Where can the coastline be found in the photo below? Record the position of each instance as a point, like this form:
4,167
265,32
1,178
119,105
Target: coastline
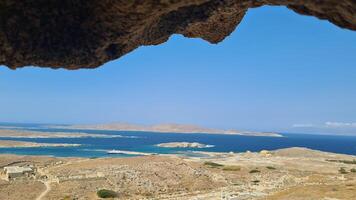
248,175
5,133
22,144
168,128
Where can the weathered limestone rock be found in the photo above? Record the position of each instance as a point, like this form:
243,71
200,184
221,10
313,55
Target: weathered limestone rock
77,34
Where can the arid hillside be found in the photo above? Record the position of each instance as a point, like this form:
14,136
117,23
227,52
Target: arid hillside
294,173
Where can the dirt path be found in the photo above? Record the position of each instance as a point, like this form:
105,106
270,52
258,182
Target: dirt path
47,183
48,188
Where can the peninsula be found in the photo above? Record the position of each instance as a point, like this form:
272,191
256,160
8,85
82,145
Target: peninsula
16,144
4,133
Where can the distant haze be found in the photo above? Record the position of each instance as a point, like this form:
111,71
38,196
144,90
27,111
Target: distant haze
278,71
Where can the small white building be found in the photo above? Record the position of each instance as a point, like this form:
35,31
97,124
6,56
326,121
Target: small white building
16,171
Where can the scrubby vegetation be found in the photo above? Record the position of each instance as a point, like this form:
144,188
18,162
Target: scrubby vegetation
223,167
351,162
255,171
342,170
231,168
69,198
213,164
353,170
270,167
106,193
255,182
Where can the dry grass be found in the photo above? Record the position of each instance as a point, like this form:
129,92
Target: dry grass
316,192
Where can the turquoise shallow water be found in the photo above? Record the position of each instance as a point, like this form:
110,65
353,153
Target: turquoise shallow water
145,142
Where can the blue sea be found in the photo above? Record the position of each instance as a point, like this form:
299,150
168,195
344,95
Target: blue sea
145,142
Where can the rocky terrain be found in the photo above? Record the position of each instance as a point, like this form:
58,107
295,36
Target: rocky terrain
184,145
167,128
77,34
293,174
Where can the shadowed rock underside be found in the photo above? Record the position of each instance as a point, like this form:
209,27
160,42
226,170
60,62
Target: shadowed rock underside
77,34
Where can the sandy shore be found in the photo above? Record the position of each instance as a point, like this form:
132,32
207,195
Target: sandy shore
293,174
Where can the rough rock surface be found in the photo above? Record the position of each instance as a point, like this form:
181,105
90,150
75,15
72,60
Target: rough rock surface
76,34
184,145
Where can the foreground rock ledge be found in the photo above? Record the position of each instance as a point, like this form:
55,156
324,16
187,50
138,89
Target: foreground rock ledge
77,34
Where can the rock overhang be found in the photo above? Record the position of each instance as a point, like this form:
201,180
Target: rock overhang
76,34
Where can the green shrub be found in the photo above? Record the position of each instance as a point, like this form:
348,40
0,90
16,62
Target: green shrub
255,182
351,162
106,193
255,171
212,164
231,168
353,170
270,167
342,170
70,198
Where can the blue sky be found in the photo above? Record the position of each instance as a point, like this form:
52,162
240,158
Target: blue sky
278,71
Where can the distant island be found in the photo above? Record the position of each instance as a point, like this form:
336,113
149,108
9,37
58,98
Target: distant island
167,128
184,145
